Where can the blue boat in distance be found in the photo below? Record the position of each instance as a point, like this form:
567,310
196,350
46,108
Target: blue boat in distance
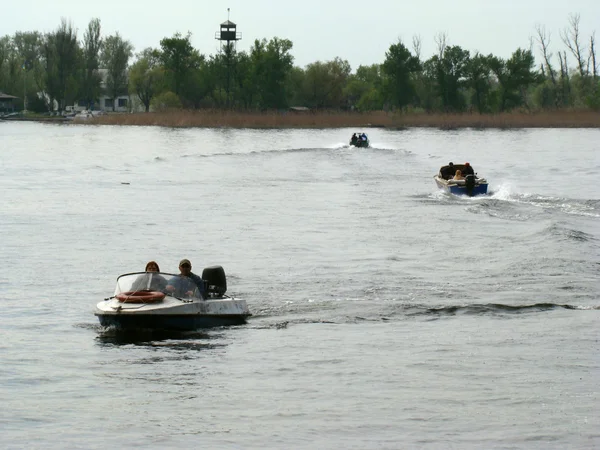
360,140
469,185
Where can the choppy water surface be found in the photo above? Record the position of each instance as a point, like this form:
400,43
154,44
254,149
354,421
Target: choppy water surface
386,314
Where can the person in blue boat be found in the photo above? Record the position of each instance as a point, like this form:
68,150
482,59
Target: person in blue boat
186,283
151,280
448,171
468,170
458,176
363,137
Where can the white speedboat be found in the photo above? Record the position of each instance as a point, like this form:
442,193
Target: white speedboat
162,301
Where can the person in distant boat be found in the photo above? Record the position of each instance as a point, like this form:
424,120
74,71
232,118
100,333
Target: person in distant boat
458,175
186,283
448,171
353,139
468,170
151,280
363,137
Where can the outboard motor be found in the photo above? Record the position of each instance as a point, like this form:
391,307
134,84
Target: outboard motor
214,276
470,182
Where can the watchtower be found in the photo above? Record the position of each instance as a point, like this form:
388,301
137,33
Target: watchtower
228,35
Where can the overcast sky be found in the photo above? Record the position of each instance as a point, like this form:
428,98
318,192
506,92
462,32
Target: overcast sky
358,31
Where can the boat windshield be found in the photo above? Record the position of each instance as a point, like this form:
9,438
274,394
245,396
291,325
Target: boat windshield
175,285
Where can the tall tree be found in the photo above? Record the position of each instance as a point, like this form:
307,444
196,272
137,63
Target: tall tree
451,76
115,57
229,59
364,88
543,39
398,67
572,39
245,90
62,59
29,47
29,50
272,63
521,69
325,82
7,51
91,79
592,56
179,57
146,77
477,73
514,77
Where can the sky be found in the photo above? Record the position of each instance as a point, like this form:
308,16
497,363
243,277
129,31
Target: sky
358,31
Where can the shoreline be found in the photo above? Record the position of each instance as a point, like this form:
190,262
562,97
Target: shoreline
323,120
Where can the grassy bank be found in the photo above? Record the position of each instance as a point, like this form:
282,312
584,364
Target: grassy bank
234,119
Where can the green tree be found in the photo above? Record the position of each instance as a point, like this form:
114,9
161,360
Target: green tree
165,101
295,83
521,67
91,79
8,59
219,79
62,57
478,72
325,83
399,67
272,63
5,44
198,85
28,46
426,86
245,89
146,77
451,77
226,61
514,77
115,57
179,57
364,88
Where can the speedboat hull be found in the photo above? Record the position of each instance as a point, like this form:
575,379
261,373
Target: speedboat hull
480,188
171,323
360,144
172,314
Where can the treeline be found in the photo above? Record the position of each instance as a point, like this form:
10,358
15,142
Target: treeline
65,71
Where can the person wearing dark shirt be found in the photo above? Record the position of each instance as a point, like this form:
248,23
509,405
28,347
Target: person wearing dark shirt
448,171
468,170
186,283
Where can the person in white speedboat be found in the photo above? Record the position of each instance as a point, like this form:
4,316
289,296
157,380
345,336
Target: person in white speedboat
186,283
151,280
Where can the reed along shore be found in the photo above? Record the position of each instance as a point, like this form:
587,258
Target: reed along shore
236,119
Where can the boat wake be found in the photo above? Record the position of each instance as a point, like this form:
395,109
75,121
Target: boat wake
495,309
565,233
505,204
285,316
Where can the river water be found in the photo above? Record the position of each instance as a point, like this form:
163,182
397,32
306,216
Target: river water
387,314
